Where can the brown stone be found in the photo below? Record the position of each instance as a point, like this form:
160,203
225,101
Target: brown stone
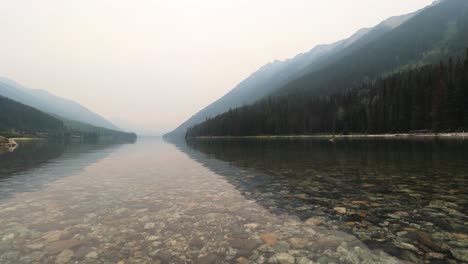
361,214
269,238
425,239
410,229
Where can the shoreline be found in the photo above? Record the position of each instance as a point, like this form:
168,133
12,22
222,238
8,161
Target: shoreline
25,139
331,137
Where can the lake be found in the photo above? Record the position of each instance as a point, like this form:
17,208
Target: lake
236,201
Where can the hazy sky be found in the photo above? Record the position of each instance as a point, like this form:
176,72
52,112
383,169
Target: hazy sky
154,63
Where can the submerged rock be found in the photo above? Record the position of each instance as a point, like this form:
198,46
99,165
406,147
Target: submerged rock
281,258
339,209
460,254
269,238
64,257
59,246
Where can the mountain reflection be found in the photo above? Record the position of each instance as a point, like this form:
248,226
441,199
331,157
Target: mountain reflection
375,189
34,164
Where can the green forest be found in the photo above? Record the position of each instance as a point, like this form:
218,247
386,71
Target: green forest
433,97
20,120
20,117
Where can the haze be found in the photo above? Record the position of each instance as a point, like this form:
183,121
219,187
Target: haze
148,65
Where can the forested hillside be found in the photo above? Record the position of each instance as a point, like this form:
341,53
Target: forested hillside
431,34
271,77
434,34
432,97
20,117
51,104
17,119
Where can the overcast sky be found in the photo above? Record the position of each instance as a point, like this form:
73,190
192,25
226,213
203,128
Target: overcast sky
154,63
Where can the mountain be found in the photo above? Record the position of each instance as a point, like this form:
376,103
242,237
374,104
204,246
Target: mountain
90,132
422,37
426,98
19,117
432,34
54,105
276,74
17,120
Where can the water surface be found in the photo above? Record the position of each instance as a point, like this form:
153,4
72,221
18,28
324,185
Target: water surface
238,202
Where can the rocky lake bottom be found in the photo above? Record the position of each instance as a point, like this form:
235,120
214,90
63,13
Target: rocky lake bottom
267,201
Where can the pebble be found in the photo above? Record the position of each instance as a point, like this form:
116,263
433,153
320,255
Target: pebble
407,246
314,221
149,226
64,257
92,255
341,210
269,238
297,243
281,258
460,254
59,246
242,260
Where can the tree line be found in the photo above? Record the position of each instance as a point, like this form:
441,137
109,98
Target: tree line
20,120
433,97
20,117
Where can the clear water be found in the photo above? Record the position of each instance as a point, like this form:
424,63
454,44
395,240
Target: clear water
235,201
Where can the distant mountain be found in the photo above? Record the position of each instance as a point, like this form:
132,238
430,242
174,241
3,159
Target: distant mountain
49,103
17,119
98,133
277,74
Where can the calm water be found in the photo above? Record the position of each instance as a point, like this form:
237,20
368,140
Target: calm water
236,201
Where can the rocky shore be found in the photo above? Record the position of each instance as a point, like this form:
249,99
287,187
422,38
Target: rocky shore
7,144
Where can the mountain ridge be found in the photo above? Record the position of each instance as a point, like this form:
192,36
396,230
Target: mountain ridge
52,104
272,76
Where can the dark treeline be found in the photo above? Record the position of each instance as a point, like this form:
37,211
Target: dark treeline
20,120
432,97
20,117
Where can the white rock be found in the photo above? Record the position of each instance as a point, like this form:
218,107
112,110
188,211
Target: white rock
92,255
150,225
282,258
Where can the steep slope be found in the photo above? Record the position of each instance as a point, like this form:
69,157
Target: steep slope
432,97
20,117
275,75
432,34
52,104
